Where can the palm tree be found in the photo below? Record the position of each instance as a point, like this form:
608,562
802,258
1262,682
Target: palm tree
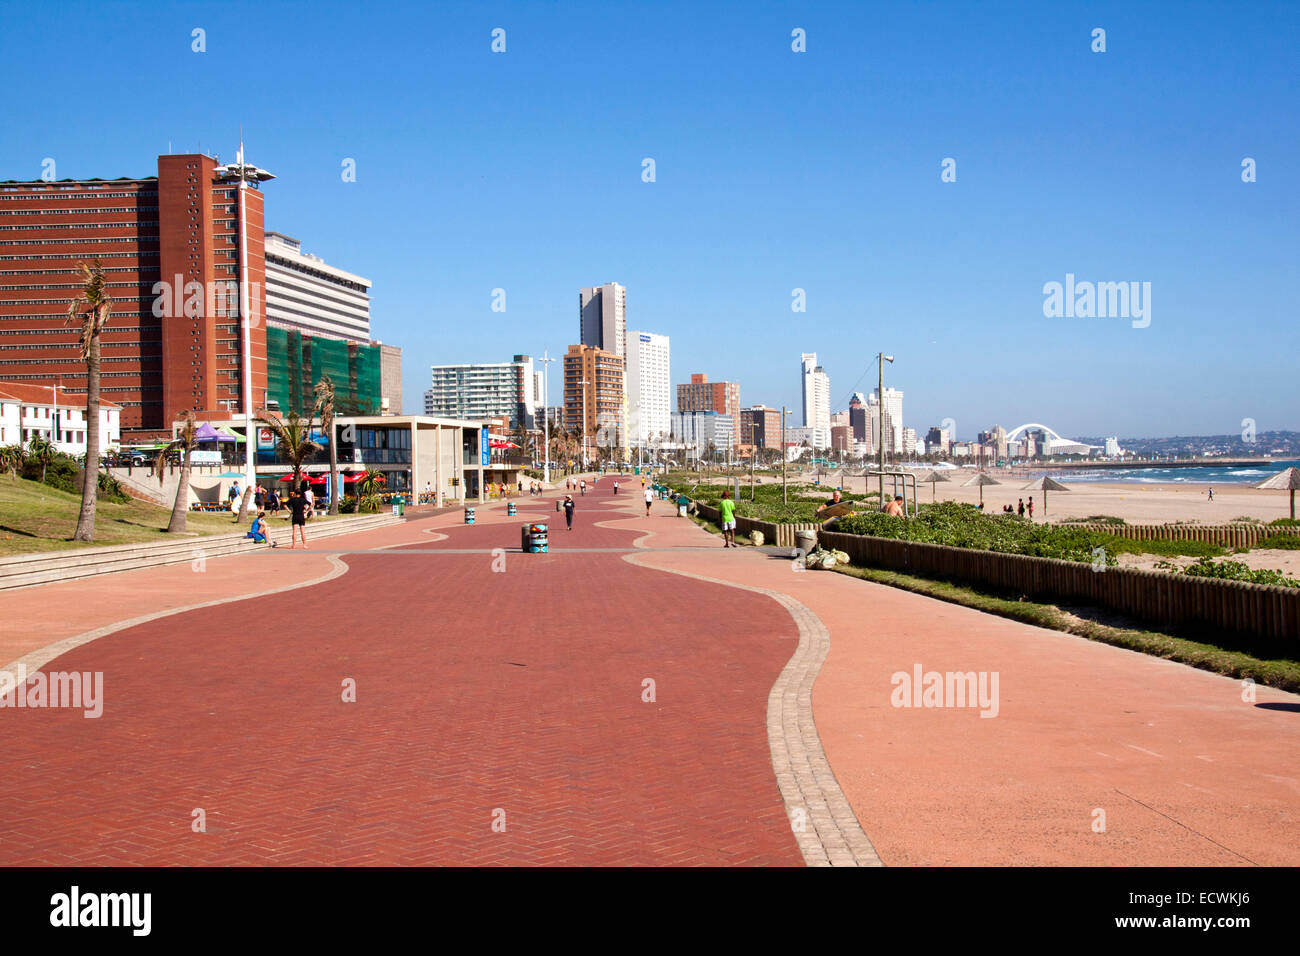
325,408
292,439
41,451
184,443
91,310
368,489
11,459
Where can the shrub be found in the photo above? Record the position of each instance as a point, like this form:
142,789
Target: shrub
1239,571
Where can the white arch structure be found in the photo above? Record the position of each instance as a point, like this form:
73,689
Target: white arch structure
1055,443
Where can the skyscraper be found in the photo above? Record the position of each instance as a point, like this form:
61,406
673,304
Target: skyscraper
649,388
888,421
593,397
816,399
602,317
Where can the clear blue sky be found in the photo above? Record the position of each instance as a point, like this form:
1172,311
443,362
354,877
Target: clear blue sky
775,170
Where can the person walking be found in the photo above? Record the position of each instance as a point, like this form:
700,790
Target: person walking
583,484
298,516
568,511
1020,509
728,508
273,501
259,497
308,494
1031,507
649,498
1211,494
616,487
234,494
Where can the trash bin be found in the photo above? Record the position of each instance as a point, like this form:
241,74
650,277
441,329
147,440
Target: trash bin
469,515
534,539
511,510
805,541
559,504
399,506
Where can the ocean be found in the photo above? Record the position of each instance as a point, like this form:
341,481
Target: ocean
1158,474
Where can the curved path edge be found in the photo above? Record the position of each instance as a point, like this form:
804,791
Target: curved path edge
830,834
35,660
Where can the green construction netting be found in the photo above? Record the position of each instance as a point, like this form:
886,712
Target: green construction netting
297,362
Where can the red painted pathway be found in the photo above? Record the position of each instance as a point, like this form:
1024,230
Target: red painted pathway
478,692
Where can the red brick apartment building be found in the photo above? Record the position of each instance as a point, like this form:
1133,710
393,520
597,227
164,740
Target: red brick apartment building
162,352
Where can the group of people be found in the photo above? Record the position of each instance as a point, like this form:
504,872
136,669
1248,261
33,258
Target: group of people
299,503
1020,508
534,489
576,484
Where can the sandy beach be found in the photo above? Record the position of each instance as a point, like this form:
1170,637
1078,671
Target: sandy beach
1136,503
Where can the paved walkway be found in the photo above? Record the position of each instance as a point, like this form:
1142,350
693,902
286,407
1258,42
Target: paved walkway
502,715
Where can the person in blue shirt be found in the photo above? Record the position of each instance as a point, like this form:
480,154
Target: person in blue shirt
258,530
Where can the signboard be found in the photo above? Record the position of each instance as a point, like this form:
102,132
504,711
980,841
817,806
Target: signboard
205,458
265,438
483,445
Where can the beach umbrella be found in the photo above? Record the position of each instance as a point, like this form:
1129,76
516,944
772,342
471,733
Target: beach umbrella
932,477
1288,480
1045,484
980,479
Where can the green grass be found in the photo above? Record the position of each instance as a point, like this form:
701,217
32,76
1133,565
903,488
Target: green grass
964,526
1245,660
1285,542
768,503
36,517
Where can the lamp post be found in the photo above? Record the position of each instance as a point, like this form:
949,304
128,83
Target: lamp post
546,400
880,394
244,172
583,385
785,495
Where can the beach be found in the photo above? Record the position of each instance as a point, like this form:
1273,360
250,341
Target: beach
1134,502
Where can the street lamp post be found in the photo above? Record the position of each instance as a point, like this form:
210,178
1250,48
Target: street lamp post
880,394
785,496
583,385
546,400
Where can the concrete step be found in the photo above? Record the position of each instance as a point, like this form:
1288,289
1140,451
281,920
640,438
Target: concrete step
26,570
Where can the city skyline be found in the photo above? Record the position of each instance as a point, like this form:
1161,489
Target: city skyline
830,195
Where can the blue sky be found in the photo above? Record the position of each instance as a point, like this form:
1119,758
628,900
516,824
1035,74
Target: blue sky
775,170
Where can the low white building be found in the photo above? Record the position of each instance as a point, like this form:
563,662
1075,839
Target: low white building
699,430
44,411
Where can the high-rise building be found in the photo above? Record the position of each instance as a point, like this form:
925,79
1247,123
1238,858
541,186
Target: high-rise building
303,292
649,388
858,417
701,395
390,379
169,246
602,316
760,426
938,441
481,391
593,397
816,399
891,423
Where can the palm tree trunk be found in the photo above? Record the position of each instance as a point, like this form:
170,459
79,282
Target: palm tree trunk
334,470
180,508
90,474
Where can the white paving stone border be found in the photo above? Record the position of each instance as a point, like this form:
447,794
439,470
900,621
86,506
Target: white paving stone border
831,834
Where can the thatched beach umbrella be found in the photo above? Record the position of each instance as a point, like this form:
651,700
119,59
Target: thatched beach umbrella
1288,480
1045,484
932,477
980,479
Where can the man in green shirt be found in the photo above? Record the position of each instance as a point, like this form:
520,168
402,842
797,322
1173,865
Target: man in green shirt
728,509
